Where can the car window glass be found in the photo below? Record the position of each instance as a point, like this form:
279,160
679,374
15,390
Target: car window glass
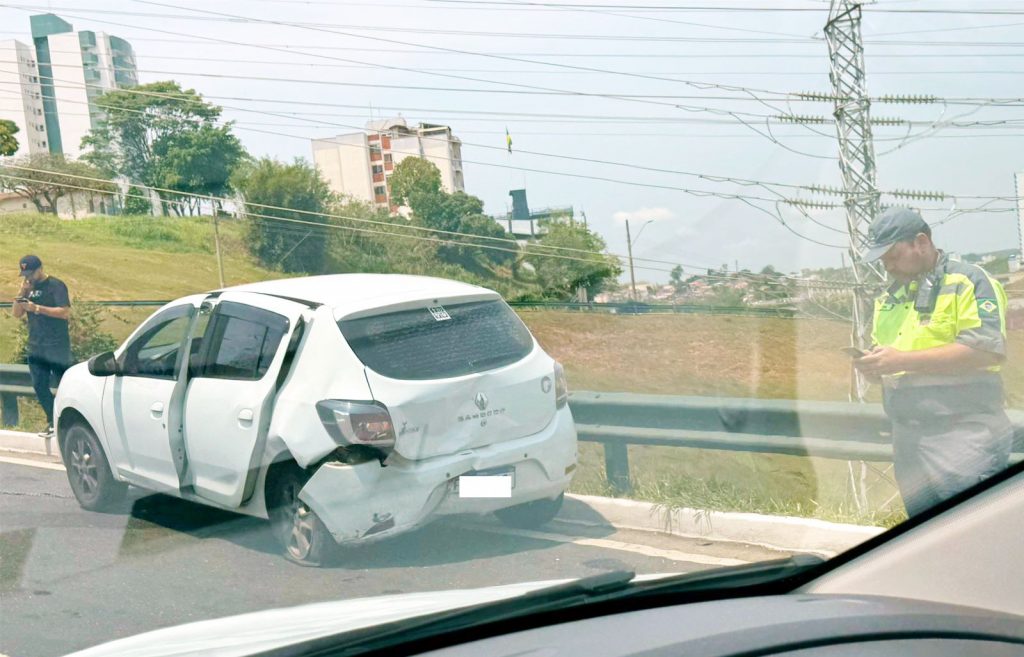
155,353
243,348
432,343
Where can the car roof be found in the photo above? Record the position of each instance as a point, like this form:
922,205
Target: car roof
356,291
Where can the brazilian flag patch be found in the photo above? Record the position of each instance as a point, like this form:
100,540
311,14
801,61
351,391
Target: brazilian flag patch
987,305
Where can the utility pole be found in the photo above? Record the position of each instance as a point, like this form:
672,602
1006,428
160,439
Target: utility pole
629,246
216,247
852,111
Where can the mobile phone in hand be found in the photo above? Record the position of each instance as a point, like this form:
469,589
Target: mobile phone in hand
21,299
854,352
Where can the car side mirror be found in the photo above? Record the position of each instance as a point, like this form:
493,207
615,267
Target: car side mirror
104,364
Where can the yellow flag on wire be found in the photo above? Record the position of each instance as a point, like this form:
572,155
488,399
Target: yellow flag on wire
508,140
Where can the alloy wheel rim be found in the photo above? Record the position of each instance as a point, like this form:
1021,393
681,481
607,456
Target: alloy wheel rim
300,531
83,464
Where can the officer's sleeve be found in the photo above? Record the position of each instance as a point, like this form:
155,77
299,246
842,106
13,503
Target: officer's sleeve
61,299
981,315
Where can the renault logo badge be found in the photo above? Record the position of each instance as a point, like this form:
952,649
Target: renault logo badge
481,401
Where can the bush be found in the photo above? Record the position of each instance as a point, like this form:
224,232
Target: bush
87,338
137,203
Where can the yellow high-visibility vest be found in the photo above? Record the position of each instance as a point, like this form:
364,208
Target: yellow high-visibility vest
970,309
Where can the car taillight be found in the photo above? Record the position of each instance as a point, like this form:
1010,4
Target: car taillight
357,423
561,386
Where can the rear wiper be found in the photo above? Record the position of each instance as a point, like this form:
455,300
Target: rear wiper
497,358
610,586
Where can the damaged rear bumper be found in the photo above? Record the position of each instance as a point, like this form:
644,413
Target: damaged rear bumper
370,500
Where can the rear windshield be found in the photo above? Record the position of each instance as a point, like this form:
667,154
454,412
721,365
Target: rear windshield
439,342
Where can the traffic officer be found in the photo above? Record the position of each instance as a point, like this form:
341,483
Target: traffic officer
940,337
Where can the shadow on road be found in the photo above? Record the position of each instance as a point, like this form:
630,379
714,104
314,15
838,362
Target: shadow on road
159,522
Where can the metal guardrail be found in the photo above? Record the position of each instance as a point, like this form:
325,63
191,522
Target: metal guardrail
142,303
613,308
836,430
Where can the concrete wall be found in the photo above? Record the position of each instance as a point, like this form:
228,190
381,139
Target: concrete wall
344,163
20,96
77,206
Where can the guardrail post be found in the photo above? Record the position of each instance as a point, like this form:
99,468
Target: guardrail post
8,409
616,466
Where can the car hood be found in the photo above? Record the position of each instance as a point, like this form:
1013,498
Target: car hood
274,628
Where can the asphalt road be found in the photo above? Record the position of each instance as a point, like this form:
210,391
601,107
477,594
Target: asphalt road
70,579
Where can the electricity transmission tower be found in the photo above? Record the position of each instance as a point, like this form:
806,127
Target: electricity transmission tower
856,156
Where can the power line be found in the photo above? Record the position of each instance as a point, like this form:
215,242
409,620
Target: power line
370,221
560,133
270,62
796,279
285,47
766,185
702,176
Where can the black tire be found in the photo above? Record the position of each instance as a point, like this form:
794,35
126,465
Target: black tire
302,536
88,471
532,514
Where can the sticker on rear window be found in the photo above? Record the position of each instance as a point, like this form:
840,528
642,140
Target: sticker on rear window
439,313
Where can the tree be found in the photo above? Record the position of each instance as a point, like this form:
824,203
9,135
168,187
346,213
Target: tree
198,161
676,276
299,243
44,179
8,144
416,183
561,272
162,136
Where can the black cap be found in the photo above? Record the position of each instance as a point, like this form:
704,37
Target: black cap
893,225
29,264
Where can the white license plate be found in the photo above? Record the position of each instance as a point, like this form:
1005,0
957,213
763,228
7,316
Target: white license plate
481,485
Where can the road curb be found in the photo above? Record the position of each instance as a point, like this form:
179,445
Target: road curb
783,533
775,532
20,441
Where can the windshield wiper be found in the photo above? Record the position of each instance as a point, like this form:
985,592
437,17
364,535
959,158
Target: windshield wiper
604,587
490,360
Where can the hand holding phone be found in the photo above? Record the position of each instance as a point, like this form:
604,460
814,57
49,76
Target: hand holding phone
854,352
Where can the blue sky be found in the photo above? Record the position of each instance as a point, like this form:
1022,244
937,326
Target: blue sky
312,70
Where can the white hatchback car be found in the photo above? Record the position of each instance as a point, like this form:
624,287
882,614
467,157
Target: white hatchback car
340,407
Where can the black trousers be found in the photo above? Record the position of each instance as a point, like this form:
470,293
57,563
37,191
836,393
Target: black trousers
43,368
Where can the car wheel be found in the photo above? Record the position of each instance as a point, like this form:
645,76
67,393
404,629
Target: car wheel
532,514
303,537
88,471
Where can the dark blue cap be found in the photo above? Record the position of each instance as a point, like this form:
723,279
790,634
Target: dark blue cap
893,225
29,264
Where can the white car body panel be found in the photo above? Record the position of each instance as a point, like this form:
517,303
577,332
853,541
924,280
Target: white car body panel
261,631
438,417
265,630
355,501
226,421
324,368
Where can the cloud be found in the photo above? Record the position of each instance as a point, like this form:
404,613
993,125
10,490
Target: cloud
643,214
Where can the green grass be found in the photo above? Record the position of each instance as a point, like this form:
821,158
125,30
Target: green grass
772,484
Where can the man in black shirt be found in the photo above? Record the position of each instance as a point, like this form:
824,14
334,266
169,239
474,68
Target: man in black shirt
44,301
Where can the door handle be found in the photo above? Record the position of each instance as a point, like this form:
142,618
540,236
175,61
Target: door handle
245,416
157,409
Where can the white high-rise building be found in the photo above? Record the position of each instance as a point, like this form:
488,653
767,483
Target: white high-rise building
359,164
74,69
21,99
